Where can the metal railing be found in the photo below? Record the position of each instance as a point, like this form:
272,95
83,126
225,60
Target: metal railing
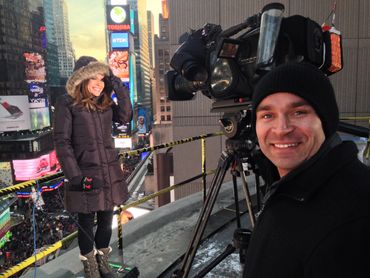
62,243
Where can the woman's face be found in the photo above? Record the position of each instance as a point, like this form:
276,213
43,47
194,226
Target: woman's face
96,85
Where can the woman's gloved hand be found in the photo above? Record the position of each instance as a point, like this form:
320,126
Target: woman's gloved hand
85,183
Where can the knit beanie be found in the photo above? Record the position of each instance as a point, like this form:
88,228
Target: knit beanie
305,81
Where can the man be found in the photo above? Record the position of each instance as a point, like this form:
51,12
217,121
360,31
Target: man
315,221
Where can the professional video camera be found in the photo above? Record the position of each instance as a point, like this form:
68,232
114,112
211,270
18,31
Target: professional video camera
226,68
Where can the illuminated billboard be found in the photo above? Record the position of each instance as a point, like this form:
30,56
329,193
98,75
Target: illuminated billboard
119,63
35,67
37,95
141,121
6,178
29,169
40,118
123,143
14,113
118,18
119,40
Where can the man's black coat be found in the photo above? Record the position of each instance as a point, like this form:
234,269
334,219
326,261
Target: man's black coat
316,220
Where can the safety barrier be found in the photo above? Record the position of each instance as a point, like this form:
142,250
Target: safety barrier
42,254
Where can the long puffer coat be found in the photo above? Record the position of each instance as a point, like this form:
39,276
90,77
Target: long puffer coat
84,145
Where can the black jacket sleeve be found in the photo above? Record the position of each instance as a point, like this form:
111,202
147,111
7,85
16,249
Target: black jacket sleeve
62,135
122,113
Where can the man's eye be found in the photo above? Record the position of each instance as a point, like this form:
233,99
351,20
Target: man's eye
265,116
300,112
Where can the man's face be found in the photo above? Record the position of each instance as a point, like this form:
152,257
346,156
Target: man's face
288,129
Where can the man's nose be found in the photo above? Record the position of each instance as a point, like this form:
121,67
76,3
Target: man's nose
283,124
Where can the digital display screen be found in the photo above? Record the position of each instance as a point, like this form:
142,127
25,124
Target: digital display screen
119,63
118,17
35,67
29,169
119,40
40,118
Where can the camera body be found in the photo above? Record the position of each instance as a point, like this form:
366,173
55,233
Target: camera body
226,65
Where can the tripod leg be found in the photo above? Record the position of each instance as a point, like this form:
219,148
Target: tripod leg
236,198
247,196
223,165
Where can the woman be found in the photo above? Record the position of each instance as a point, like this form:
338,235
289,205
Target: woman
94,181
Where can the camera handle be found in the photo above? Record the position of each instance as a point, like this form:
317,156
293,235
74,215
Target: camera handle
227,157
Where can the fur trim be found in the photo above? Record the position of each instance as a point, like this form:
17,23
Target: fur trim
83,73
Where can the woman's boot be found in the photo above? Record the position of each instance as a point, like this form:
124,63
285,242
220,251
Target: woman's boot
102,259
91,268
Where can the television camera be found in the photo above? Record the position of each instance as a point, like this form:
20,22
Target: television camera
226,65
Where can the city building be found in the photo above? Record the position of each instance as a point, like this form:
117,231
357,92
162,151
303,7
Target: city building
143,107
52,59
163,107
57,21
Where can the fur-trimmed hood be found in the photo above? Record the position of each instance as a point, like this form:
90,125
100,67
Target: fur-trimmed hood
86,72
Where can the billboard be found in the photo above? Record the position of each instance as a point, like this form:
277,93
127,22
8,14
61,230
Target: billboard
40,118
35,67
37,96
29,169
123,143
119,63
141,121
6,177
118,17
14,113
119,40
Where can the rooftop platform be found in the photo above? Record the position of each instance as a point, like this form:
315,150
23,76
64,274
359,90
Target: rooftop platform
155,241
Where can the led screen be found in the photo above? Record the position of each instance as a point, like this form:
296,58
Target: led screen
35,67
14,113
119,63
119,40
29,169
40,118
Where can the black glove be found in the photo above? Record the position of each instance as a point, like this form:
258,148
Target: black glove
117,85
85,183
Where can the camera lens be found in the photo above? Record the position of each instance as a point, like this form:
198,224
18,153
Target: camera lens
222,77
192,71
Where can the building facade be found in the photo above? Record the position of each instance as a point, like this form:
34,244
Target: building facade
57,21
144,92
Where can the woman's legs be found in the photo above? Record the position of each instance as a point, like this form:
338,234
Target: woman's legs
85,232
104,230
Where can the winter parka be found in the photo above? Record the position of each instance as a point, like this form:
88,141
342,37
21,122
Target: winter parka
315,222
85,148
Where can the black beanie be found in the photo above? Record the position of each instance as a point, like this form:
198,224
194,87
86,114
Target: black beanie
305,81
83,61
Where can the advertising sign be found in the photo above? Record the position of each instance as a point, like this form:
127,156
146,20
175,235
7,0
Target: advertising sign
29,169
6,178
123,143
118,17
40,118
37,96
35,67
119,40
14,113
141,121
119,63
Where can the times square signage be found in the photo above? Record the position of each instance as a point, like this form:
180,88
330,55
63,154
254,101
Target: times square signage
118,17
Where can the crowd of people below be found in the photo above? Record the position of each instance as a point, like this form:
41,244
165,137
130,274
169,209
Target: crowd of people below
52,223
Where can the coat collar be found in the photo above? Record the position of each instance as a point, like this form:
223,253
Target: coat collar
302,183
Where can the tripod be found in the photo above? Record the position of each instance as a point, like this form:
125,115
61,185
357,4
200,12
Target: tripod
237,154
